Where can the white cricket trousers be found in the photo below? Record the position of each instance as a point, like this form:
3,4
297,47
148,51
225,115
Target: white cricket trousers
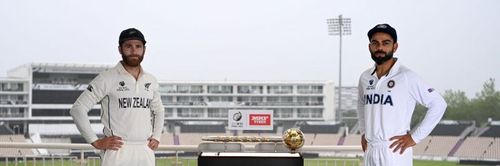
379,154
130,154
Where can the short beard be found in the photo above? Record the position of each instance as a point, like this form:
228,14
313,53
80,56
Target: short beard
132,62
381,60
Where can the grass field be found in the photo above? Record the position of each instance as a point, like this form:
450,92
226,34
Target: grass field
193,162
433,163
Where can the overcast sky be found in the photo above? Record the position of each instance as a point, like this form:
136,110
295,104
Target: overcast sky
451,44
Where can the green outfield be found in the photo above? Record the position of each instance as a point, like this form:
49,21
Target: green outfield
193,162
433,163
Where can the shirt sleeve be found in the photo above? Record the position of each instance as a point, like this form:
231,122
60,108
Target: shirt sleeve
94,93
432,100
158,113
361,108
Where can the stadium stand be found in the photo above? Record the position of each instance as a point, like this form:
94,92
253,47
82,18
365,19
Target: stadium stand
493,151
57,140
61,129
78,139
167,139
12,151
440,146
325,139
275,130
5,130
423,145
320,133
320,128
475,147
309,138
491,131
191,138
202,128
352,139
450,128
55,96
190,133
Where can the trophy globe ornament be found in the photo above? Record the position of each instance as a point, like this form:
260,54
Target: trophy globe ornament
293,139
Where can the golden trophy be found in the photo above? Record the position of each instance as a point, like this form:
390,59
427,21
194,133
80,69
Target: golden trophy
292,138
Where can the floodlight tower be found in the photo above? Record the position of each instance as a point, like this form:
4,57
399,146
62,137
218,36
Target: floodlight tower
338,27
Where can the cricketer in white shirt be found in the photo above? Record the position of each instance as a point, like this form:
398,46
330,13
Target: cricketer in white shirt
130,109
386,106
388,93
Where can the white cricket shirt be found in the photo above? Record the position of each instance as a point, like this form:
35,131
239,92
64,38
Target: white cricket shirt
130,108
386,105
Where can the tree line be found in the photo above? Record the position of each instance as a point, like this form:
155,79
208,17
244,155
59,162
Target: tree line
485,105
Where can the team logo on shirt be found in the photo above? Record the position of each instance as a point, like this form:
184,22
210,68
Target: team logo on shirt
391,84
370,87
146,85
89,88
122,86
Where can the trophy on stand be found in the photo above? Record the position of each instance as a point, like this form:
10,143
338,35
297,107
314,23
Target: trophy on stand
292,138
233,151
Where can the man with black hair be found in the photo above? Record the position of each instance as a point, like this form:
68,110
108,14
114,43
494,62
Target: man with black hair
131,109
388,93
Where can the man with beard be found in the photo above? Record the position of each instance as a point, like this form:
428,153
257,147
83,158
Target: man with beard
388,93
131,109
